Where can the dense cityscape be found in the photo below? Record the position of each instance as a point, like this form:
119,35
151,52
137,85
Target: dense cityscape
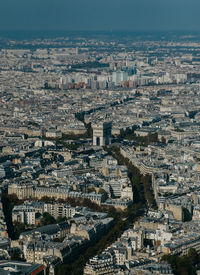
100,154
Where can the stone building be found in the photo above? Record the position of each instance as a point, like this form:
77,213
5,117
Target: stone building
102,133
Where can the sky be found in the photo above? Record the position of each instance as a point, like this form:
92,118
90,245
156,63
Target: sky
104,15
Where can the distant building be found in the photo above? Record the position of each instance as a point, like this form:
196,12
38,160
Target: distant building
53,134
119,77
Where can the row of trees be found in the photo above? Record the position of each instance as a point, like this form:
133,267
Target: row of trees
142,185
89,65
143,141
74,137
122,219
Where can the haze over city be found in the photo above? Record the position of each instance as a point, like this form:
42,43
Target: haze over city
104,15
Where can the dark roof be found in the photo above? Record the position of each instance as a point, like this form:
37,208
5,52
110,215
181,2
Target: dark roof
23,268
47,229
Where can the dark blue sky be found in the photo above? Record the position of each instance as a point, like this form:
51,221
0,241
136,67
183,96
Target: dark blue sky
139,15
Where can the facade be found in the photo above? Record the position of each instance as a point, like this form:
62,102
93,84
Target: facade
59,210
100,265
31,192
119,77
24,214
22,191
54,134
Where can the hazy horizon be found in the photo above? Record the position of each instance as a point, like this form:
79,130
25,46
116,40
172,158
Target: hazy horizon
104,15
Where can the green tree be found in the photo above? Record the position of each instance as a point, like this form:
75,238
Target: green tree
163,140
193,255
91,190
47,199
61,219
183,265
47,219
18,229
16,255
103,193
186,215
